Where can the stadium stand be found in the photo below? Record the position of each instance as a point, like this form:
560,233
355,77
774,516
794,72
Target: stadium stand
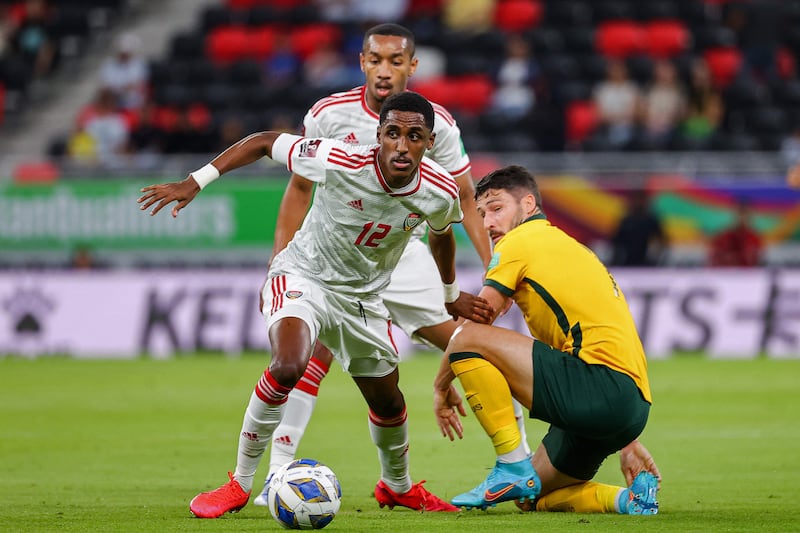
238,59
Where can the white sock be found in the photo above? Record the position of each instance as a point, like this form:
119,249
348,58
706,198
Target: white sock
519,415
260,420
287,436
515,455
392,443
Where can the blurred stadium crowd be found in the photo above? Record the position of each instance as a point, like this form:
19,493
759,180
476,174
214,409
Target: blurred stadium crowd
519,75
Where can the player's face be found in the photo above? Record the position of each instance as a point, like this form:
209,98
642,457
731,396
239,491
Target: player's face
502,211
387,64
403,137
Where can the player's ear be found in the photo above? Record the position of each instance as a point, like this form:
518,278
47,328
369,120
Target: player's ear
378,134
361,60
413,66
430,141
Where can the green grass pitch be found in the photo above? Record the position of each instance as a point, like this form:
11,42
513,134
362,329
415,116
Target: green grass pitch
124,445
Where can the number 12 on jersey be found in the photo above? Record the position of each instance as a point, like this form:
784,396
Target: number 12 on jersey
370,238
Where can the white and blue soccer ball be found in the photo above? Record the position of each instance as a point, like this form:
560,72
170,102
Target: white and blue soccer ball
304,494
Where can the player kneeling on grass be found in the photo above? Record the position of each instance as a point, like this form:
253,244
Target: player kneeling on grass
586,374
326,283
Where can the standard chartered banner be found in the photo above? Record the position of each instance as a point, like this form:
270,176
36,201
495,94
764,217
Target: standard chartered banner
724,313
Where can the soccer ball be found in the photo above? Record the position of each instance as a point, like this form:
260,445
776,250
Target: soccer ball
304,494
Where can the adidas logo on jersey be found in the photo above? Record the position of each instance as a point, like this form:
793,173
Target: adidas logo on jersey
351,138
356,204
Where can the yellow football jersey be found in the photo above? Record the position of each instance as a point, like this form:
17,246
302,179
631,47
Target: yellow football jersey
568,298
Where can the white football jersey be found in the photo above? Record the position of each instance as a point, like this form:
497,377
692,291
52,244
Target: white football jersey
346,117
358,226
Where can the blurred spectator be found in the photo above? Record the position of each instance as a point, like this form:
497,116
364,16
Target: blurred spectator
758,27
468,16
32,36
663,106
282,68
107,127
83,258
705,106
617,100
146,141
231,130
362,11
325,69
790,148
193,132
639,239
126,73
739,245
515,78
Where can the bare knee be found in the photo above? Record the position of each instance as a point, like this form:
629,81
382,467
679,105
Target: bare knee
465,337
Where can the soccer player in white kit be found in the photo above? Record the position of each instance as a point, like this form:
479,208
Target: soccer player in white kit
326,283
414,297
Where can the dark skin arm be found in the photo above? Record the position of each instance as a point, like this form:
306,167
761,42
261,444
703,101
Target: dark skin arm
472,222
246,151
443,249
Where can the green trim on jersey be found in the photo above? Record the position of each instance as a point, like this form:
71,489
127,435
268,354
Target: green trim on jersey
502,288
561,316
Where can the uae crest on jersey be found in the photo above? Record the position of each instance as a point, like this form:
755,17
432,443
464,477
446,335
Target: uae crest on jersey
309,148
412,221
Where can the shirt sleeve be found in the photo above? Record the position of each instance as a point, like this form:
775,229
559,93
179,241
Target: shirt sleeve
311,126
304,156
448,150
439,222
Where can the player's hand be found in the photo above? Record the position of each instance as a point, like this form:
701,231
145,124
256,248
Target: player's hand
793,177
635,458
447,405
182,192
472,308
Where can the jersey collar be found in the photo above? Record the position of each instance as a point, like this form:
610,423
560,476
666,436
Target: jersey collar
537,216
364,105
407,190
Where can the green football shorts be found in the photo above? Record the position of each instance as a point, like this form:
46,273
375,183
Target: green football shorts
594,411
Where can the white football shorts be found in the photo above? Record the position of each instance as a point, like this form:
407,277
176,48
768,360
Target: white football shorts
358,332
415,296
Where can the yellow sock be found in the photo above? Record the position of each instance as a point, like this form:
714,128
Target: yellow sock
489,397
588,497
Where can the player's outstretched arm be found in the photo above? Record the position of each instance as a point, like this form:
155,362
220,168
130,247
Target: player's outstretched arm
246,151
458,303
635,458
447,403
473,223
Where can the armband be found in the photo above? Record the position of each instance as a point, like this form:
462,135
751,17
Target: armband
451,292
205,175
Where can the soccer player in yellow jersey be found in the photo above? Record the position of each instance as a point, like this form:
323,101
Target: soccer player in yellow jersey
585,373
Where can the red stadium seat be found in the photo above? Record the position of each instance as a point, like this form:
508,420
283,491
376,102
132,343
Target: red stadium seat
581,118
469,94
620,38
667,38
724,64
262,41
787,67
226,44
435,89
473,92
307,39
517,15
